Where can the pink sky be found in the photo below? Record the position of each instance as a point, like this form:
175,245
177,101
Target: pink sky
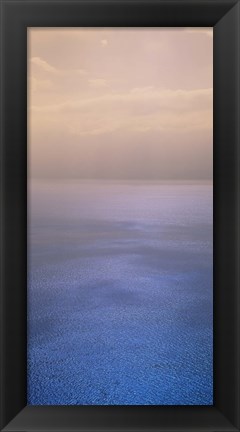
120,103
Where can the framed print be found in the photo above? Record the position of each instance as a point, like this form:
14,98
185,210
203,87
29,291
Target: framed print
120,215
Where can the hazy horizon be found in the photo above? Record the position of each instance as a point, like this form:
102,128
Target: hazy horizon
118,103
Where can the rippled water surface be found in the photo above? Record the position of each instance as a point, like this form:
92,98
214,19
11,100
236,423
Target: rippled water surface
120,293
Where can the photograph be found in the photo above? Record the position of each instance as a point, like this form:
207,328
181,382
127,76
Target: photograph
120,216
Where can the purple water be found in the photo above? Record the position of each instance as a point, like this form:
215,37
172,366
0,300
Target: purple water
120,293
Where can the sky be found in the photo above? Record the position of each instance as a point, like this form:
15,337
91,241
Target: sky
118,103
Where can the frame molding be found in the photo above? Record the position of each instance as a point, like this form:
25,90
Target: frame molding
16,16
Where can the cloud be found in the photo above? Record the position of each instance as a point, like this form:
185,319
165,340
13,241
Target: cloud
159,98
142,89
200,30
36,85
97,82
145,109
45,66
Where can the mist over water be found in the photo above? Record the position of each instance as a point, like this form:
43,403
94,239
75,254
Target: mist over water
120,293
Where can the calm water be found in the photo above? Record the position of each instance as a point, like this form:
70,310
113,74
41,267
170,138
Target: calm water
120,294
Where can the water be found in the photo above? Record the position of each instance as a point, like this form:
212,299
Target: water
120,293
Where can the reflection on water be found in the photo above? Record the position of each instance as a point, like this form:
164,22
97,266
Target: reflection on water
120,293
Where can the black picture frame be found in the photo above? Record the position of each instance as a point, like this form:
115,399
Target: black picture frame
16,17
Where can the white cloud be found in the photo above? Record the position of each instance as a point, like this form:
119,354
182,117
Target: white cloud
97,82
45,66
200,30
161,98
142,89
145,109
36,85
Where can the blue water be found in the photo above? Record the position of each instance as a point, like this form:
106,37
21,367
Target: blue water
120,293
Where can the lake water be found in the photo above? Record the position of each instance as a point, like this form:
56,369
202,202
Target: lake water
120,293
